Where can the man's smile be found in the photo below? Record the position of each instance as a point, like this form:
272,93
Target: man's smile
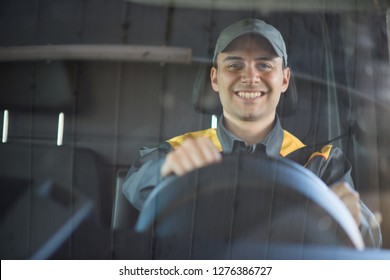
250,94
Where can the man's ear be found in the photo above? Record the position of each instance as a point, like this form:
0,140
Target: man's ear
286,78
213,78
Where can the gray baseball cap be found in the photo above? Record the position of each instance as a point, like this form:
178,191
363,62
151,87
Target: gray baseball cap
251,26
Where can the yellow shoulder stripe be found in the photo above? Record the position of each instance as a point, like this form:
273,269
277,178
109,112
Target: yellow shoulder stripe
210,133
325,151
290,144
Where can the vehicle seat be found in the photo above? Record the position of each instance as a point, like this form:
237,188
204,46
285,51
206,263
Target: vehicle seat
124,215
31,154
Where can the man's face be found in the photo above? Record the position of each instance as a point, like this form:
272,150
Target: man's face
250,79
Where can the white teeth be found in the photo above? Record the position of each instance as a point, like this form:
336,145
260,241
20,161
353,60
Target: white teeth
249,95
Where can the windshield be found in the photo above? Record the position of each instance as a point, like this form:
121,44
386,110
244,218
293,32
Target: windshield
85,85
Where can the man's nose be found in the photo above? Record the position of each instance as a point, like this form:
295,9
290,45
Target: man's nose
250,76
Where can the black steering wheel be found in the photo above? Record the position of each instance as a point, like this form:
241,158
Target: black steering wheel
245,199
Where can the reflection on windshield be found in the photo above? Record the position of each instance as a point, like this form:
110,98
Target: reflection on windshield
77,107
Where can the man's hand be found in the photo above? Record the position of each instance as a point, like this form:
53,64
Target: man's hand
192,154
350,198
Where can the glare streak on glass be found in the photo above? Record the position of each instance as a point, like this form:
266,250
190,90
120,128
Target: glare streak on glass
388,29
214,121
60,133
5,127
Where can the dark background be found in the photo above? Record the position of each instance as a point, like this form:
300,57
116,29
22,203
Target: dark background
112,109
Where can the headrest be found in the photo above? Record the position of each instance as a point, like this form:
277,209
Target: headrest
46,87
206,101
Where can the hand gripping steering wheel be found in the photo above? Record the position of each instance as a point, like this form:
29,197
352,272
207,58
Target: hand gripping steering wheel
245,199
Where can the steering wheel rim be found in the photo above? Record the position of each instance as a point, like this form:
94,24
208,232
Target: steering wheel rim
228,189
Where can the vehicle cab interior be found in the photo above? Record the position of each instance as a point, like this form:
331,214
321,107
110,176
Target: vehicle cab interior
85,84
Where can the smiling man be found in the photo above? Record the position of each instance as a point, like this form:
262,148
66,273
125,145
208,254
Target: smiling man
250,78
250,73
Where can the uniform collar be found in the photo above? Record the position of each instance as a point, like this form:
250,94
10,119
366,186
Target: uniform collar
271,144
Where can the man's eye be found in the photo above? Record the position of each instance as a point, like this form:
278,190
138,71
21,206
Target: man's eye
264,66
234,66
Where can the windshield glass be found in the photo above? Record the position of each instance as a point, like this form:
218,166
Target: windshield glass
85,86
